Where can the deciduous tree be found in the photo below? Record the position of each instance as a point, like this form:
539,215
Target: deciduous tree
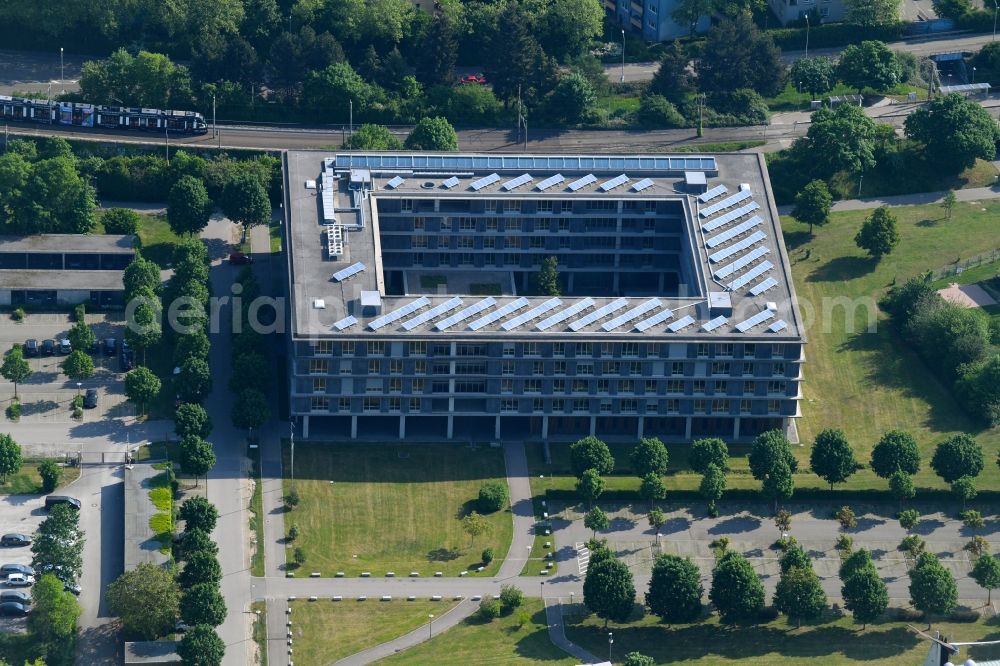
656,520
878,235
799,595
957,131
188,206
901,486
194,382
433,134
590,485
813,204
199,514
203,604
54,611
78,365
870,64
865,594
250,409
51,474
200,567
121,221
591,453
15,367
737,55
708,451
895,452
736,591
652,488
10,457
986,573
650,457
595,520
373,137
957,456
475,525
840,139
192,419
141,386
197,456
675,589
932,587
201,646
713,484
832,458
608,590
146,599
244,201
547,279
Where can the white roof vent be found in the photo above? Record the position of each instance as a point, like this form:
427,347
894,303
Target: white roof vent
319,304
772,306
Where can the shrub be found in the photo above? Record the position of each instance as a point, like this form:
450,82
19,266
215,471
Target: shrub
487,556
721,544
784,543
972,519
17,314
845,544
767,614
908,615
846,517
293,532
510,597
913,545
80,312
493,497
14,411
299,556
292,499
908,519
77,412
713,511
489,609
51,474
964,615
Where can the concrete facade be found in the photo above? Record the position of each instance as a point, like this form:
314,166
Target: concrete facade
652,19
443,334
820,11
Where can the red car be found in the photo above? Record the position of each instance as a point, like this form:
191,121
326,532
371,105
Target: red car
473,78
240,259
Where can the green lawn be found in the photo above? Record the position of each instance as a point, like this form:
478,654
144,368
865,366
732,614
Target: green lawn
257,518
864,383
790,99
260,631
27,482
391,507
157,239
275,234
325,631
777,643
499,642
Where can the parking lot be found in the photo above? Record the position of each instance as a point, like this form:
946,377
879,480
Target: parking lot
19,513
47,395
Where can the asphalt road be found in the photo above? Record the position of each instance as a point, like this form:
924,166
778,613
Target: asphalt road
102,492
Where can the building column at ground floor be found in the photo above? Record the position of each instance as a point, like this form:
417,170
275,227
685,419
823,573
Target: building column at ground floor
548,427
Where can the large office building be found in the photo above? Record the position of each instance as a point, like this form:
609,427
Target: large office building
417,309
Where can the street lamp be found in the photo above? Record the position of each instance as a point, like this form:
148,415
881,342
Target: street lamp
807,34
62,70
214,131
430,626
611,641
973,74
541,588
623,55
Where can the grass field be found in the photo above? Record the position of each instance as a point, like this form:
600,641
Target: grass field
27,482
835,643
257,519
157,239
391,507
325,631
499,642
865,383
260,631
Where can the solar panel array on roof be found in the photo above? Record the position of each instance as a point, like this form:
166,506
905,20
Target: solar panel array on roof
680,324
346,322
632,314
731,216
730,234
579,163
550,181
435,311
582,182
533,313
759,289
499,313
658,318
728,202
716,191
643,184
574,309
751,275
756,320
778,326
451,182
727,252
516,182
398,314
603,311
395,182
617,181
350,271
462,315
741,263
710,326
485,181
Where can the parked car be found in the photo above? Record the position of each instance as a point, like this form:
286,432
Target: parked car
240,259
24,569
110,346
65,347
48,347
53,500
13,609
31,347
16,596
127,357
90,398
20,580
73,588
15,539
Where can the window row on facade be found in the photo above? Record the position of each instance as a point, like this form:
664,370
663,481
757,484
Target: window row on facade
494,386
582,406
521,206
458,226
578,350
535,242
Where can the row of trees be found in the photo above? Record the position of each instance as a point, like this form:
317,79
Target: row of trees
251,368
675,592
57,557
961,344
151,599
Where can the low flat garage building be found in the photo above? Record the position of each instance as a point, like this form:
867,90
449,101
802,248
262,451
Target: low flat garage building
64,269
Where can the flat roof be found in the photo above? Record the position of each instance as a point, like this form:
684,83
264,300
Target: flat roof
67,280
750,265
70,243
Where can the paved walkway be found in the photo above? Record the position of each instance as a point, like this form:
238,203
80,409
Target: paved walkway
918,199
516,461
557,632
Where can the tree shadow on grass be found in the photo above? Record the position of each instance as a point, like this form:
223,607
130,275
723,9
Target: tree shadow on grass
442,555
796,239
927,222
842,269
